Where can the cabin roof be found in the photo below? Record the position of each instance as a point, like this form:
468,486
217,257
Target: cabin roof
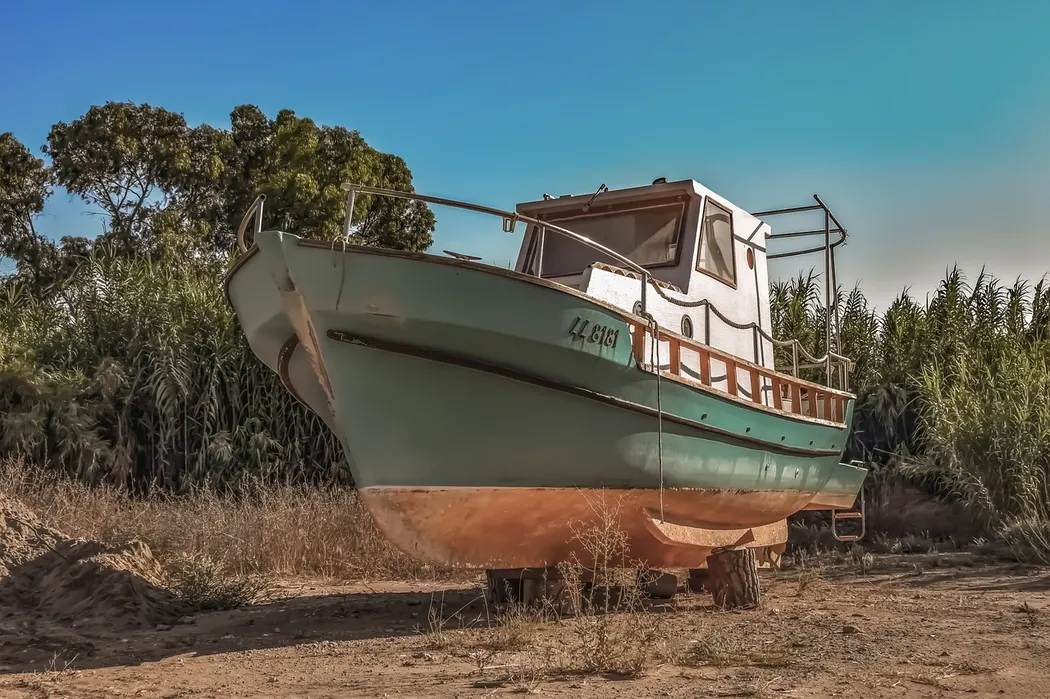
612,196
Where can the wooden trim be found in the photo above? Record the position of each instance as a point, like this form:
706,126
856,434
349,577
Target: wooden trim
696,346
802,395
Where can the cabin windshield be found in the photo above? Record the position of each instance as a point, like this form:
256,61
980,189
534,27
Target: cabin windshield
647,233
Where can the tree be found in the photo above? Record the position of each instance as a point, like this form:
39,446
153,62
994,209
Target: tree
25,184
300,166
135,161
127,159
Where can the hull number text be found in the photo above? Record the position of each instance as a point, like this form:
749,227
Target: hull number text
585,331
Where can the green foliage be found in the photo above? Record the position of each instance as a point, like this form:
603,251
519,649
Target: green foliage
120,359
121,362
25,184
119,157
138,374
952,394
136,161
300,167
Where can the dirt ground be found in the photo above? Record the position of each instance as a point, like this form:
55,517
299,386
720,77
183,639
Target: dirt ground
908,626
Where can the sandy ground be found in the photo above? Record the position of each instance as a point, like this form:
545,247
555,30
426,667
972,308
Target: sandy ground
911,626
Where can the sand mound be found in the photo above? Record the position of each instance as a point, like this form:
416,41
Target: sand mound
47,574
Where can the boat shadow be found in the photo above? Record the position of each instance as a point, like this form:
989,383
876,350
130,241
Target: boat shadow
314,623
963,570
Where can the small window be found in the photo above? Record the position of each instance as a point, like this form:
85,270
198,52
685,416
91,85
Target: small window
716,245
687,326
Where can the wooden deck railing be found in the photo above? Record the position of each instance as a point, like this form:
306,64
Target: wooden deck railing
696,363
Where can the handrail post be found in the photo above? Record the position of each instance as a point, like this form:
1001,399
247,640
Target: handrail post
351,201
827,292
539,255
645,287
256,209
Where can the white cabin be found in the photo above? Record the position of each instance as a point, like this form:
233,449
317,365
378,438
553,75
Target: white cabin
697,246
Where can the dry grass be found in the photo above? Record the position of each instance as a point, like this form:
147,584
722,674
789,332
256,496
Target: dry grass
279,531
597,620
717,650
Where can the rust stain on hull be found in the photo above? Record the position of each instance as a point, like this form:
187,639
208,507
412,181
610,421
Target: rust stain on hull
536,527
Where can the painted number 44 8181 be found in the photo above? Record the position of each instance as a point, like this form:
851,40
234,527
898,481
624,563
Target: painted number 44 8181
588,332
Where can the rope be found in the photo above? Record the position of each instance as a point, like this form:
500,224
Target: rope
654,349
749,326
342,273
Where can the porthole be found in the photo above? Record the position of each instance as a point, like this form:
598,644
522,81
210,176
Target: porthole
750,258
687,326
637,310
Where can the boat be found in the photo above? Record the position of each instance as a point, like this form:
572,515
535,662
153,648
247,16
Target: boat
627,355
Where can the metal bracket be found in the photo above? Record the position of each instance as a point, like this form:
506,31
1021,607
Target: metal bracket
461,256
836,515
509,224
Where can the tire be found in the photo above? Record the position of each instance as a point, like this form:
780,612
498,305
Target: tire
503,591
733,579
658,585
699,579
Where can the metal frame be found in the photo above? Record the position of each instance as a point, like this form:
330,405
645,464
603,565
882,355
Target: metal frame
256,210
831,302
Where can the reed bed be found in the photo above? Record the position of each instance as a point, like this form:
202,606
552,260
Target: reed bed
132,376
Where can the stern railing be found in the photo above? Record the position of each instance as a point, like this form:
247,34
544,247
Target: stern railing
697,363
832,332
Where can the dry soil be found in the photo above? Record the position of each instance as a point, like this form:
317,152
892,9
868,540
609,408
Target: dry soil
909,626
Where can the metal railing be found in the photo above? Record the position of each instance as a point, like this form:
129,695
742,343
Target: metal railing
510,220
256,209
831,301
829,361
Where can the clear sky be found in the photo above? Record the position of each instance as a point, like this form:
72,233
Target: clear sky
924,125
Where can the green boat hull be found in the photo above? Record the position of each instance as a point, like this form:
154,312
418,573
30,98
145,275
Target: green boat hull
478,422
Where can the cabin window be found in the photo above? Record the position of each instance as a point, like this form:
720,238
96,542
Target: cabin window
716,245
647,234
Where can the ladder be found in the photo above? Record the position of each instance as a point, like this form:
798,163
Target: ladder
837,515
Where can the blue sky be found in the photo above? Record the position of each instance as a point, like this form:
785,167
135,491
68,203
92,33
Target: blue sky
924,125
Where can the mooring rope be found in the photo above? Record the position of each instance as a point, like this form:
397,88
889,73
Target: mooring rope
654,349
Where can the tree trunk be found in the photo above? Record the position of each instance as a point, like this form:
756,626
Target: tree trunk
733,579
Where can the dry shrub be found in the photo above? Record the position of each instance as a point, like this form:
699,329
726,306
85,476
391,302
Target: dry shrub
598,603
284,531
613,632
516,627
204,583
1026,539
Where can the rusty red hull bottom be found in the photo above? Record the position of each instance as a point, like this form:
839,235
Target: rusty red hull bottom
541,527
